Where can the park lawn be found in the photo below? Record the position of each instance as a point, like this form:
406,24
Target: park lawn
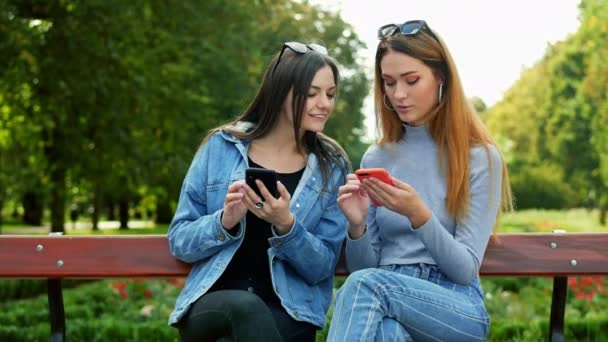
544,221
532,221
158,229
20,229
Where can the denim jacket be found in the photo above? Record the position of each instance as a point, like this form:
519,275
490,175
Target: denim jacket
302,261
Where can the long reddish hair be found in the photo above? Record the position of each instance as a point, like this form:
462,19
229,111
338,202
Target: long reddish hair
454,124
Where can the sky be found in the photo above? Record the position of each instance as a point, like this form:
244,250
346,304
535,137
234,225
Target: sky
491,41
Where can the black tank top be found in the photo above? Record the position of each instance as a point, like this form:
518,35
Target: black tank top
249,269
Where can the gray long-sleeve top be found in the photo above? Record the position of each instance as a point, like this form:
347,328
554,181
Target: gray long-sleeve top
456,246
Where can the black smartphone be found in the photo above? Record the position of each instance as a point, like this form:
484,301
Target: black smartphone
268,177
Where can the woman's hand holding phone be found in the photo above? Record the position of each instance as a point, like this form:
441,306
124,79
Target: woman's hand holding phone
270,208
378,173
354,202
399,197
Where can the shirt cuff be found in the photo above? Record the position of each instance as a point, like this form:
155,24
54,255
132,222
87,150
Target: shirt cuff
360,237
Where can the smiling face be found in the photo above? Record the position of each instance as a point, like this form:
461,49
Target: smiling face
411,87
320,101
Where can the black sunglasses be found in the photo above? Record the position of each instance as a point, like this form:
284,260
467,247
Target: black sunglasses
300,48
409,28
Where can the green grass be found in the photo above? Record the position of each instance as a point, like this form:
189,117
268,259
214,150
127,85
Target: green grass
159,229
533,221
542,221
21,229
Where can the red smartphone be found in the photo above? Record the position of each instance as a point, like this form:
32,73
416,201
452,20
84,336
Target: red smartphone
378,173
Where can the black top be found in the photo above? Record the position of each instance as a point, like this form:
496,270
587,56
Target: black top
249,269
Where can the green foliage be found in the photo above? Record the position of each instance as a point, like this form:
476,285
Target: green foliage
12,289
541,187
520,308
556,114
106,101
99,312
539,220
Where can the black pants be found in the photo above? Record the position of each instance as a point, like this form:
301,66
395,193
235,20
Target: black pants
236,315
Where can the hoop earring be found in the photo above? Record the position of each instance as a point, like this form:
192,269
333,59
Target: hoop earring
386,105
440,92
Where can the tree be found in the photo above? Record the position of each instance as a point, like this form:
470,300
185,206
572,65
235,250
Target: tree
117,95
555,114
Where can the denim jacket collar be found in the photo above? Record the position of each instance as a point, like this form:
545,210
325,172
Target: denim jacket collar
243,146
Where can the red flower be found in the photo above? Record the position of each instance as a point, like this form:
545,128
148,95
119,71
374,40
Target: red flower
119,285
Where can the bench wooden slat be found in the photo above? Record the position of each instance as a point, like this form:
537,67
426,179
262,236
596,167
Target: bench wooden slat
56,257
531,254
88,257
548,254
148,256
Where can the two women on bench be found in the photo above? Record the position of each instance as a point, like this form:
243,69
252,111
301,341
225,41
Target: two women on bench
263,267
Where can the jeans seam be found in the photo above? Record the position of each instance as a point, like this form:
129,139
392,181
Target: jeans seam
381,291
384,290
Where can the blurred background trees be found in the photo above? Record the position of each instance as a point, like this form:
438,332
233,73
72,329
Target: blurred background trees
553,122
104,102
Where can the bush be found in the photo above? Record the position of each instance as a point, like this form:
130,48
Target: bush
541,187
11,289
519,308
109,310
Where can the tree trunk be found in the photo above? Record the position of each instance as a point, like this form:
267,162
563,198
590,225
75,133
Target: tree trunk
111,211
96,207
123,212
603,207
32,208
1,206
164,214
58,197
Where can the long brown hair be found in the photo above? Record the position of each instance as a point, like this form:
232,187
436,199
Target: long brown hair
454,125
293,71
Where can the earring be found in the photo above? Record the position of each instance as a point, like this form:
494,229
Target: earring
386,105
440,92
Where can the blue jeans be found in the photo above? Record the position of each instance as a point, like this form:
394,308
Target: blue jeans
408,303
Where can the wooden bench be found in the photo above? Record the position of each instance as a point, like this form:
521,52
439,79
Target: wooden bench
147,256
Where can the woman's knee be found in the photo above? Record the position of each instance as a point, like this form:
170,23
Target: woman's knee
243,303
365,277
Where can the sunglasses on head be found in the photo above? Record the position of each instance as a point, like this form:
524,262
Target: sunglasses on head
409,28
300,48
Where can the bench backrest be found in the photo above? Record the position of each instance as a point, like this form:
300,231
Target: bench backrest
111,256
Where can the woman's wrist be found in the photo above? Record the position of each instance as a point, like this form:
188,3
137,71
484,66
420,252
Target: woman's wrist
420,217
223,223
284,227
355,232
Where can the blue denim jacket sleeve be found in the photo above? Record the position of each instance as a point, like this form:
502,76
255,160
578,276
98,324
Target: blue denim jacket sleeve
313,253
196,234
